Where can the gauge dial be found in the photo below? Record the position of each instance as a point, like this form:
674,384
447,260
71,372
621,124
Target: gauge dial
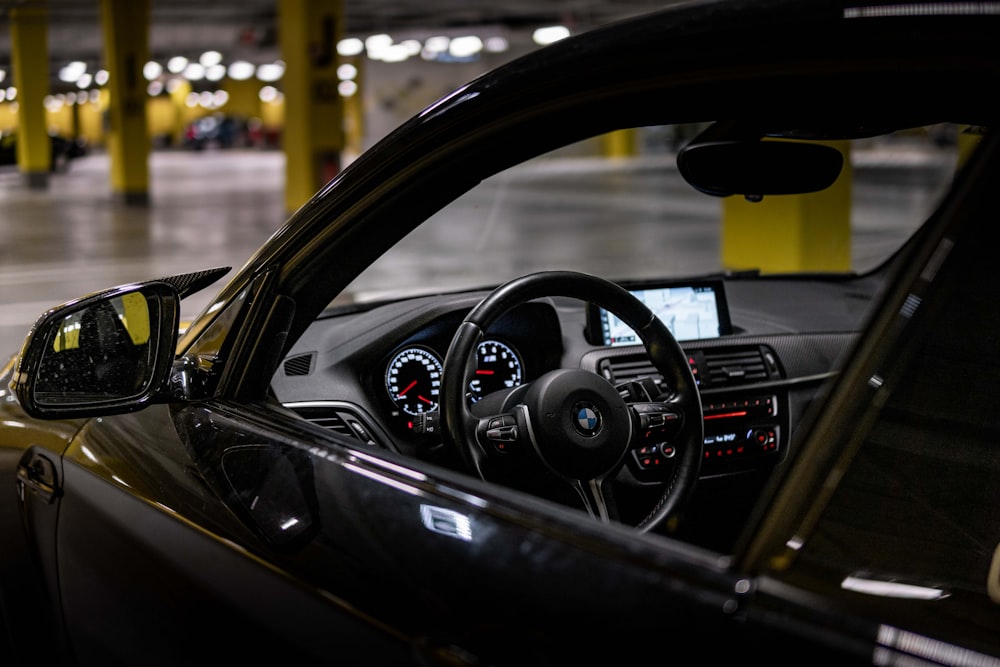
413,380
498,366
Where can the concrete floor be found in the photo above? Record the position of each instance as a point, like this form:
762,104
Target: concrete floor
215,208
206,209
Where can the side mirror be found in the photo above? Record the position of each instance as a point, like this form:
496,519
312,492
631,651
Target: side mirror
756,168
107,353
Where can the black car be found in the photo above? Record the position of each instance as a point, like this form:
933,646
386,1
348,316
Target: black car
63,150
750,419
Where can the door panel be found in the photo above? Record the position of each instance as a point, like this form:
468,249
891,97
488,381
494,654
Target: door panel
154,568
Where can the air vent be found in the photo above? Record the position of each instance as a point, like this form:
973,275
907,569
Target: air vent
333,419
626,369
722,367
300,364
735,367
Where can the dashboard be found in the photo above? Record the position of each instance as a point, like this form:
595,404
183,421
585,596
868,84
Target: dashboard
370,371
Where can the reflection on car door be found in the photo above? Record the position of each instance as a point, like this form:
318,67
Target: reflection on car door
151,570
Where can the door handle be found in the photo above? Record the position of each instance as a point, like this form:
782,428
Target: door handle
38,475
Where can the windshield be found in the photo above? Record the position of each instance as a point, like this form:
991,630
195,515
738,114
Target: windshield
630,215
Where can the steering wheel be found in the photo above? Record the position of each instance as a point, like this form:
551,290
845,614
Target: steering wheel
572,425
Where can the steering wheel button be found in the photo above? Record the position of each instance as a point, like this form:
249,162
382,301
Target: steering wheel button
504,433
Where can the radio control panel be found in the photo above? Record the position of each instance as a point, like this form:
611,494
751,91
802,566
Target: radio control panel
740,433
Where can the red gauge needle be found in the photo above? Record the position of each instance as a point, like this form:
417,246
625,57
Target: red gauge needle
483,372
408,388
425,400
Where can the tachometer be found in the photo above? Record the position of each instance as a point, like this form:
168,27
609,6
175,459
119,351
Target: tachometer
498,366
413,380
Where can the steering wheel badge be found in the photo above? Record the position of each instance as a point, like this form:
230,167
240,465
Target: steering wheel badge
587,419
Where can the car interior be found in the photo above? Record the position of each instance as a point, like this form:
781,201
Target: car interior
761,344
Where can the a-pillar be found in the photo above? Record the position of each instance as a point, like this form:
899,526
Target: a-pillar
791,233
308,32
126,51
30,60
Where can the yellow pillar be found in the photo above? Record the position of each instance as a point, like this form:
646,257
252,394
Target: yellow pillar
179,92
814,229
308,32
126,50
968,140
620,143
30,56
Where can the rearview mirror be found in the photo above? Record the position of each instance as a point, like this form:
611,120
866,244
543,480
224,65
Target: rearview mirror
107,353
756,168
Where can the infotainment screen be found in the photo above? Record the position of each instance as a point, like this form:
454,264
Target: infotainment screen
692,311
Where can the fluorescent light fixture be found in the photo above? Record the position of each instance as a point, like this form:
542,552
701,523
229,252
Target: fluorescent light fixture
194,72
351,46
177,64
210,58
271,72
152,70
241,70
215,72
347,72
465,47
347,88
550,34
72,72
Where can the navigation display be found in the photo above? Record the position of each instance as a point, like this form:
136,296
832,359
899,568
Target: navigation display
691,311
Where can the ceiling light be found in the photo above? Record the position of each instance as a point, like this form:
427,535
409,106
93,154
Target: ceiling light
347,72
215,72
437,44
241,70
465,47
550,34
268,94
351,46
496,44
347,88
210,58
151,70
194,72
271,72
177,64
72,72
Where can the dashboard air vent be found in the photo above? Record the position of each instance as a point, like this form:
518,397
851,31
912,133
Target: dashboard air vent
332,418
300,364
721,367
739,366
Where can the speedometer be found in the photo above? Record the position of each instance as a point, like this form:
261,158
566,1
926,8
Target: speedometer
498,366
413,380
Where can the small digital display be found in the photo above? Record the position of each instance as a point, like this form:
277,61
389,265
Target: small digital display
690,312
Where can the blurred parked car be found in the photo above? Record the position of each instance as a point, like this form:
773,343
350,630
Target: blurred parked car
63,150
215,131
745,414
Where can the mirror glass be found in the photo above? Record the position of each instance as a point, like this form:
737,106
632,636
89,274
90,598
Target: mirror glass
759,168
98,351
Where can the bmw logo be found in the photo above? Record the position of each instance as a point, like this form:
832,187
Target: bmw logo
586,418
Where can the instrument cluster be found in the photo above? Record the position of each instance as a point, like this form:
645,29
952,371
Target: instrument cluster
521,346
413,375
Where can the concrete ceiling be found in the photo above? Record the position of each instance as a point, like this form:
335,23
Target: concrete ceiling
248,28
